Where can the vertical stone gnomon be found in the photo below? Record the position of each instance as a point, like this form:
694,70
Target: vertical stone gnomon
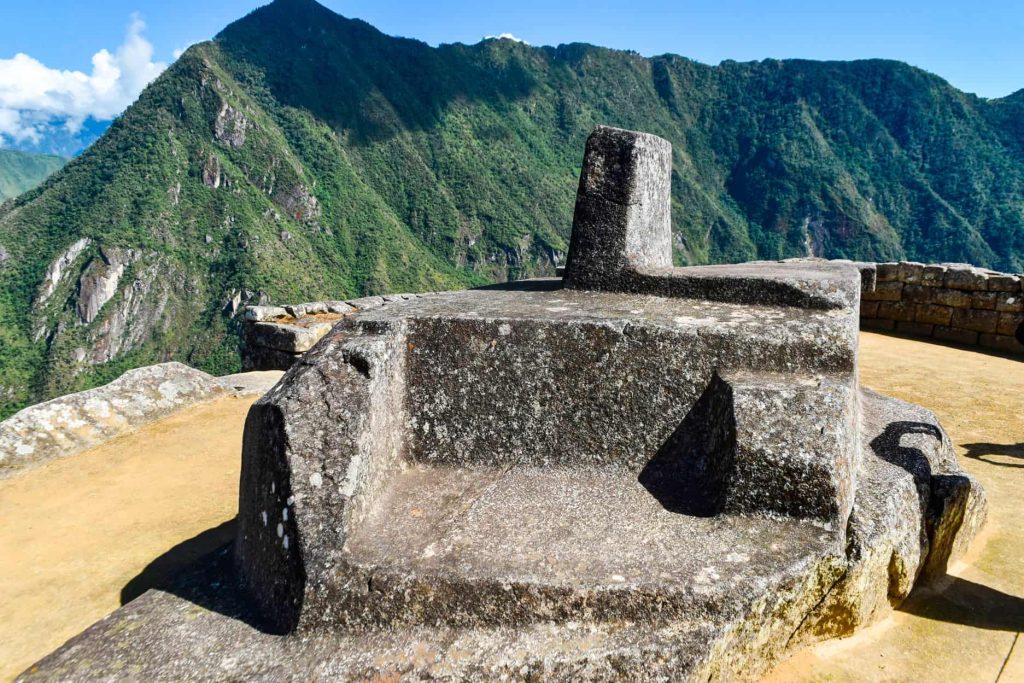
622,242
622,223
622,238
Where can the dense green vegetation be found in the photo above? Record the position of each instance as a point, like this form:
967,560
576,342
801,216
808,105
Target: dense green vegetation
304,155
21,171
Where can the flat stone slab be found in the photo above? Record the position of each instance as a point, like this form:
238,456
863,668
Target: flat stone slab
560,544
251,383
782,337
296,337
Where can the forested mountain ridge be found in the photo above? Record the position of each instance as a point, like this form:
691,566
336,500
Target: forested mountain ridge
301,155
21,171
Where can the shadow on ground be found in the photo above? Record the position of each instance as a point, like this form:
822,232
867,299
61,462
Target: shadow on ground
959,601
984,451
201,571
161,572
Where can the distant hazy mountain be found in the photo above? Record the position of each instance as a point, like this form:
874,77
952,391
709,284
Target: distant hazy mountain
57,140
304,155
20,172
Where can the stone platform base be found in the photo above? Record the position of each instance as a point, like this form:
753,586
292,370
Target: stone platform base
757,589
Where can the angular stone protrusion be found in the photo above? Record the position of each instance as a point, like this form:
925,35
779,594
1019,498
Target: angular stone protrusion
763,444
622,238
315,448
622,221
796,449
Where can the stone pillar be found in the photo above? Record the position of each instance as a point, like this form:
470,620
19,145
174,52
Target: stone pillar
622,222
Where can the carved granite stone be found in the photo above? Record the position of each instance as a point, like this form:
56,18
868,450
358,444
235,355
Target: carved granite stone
640,473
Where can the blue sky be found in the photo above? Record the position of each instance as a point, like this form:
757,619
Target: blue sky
978,47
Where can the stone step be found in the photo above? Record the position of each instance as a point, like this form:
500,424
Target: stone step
471,546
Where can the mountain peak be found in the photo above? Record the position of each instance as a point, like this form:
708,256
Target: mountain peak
323,160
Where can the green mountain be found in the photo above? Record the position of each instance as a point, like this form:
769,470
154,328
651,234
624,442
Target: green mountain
302,155
21,171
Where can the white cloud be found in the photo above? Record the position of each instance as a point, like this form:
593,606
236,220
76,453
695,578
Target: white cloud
179,51
32,95
506,36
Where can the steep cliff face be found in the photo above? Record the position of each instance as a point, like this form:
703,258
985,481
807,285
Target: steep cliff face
301,155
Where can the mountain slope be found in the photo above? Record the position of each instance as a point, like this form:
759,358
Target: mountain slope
20,171
303,155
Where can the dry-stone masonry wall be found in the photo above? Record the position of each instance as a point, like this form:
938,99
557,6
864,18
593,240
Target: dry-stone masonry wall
275,337
948,302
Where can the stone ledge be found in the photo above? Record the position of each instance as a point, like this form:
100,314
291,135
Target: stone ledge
275,337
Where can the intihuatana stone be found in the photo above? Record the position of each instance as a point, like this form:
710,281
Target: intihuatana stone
642,472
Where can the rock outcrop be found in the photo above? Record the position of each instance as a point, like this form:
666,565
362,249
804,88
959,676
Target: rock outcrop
72,423
98,284
299,203
211,172
640,473
230,126
140,309
58,269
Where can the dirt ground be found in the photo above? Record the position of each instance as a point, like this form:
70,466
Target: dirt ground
968,627
81,535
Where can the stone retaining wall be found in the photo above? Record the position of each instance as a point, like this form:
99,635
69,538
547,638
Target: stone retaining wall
277,336
948,302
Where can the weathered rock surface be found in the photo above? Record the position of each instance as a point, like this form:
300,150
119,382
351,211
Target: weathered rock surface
648,473
230,126
276,337
58,269
98,284
69,424
212,177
